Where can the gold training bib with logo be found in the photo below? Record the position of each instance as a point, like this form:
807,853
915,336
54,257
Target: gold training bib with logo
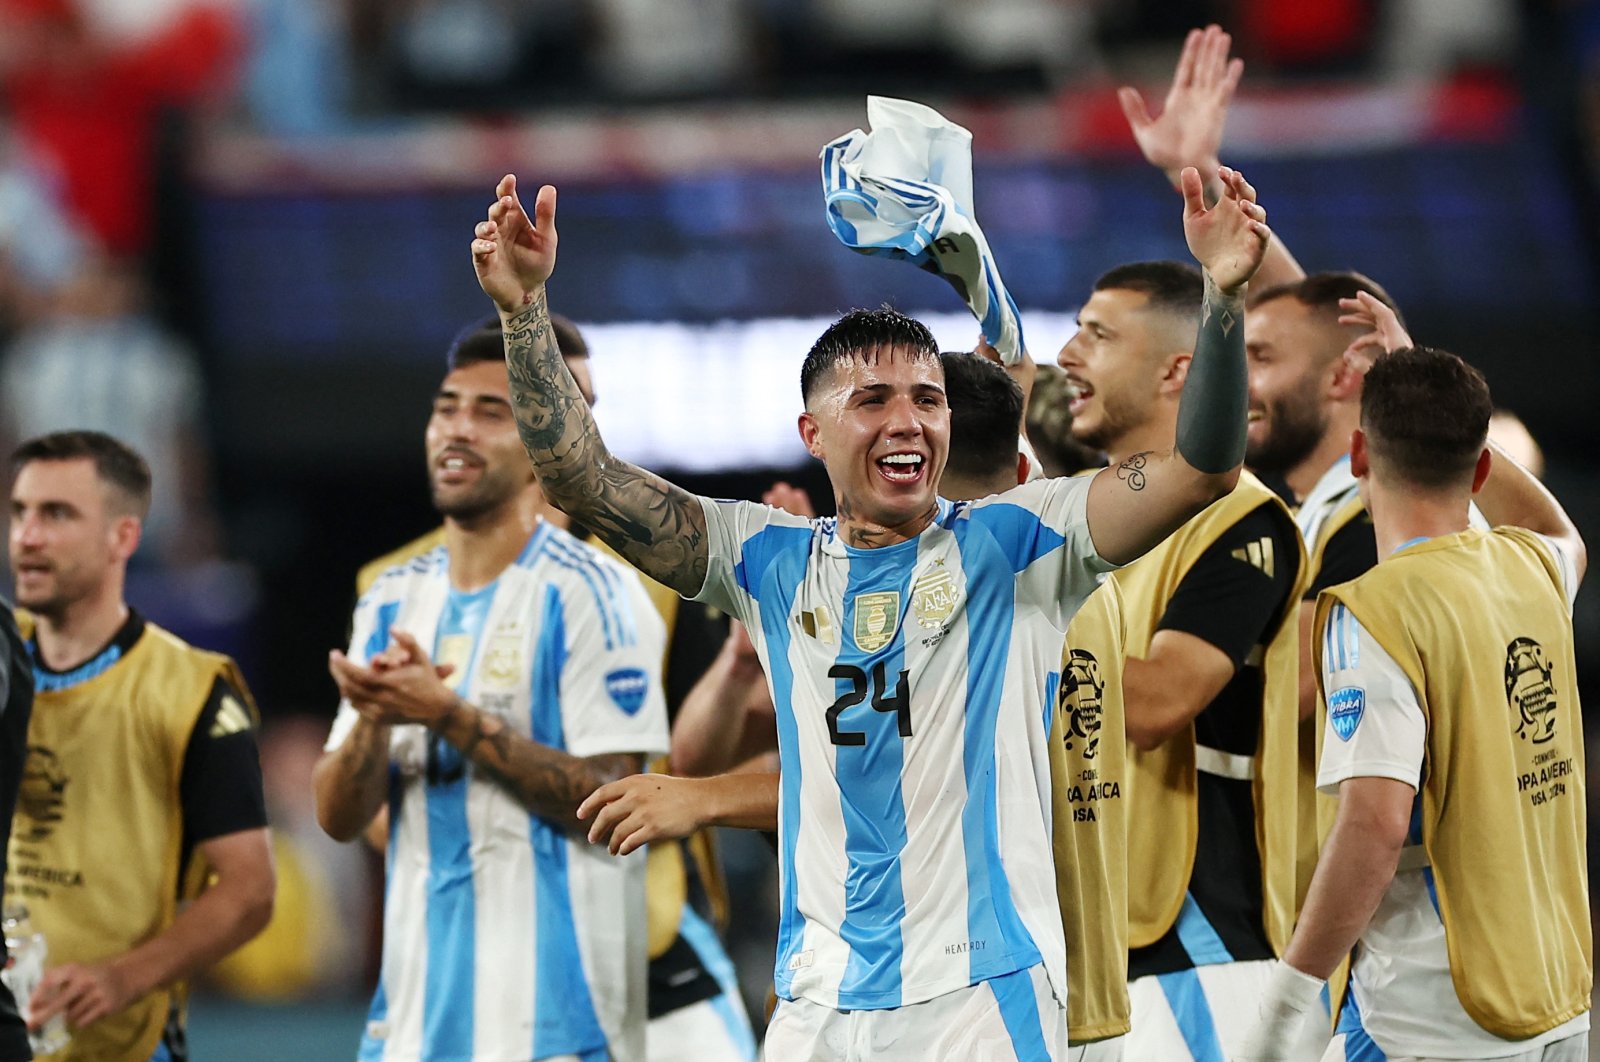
1479,624
1088,764
1163,807
98,833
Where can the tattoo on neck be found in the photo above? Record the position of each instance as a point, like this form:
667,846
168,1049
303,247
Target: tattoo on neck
1131,471
863,534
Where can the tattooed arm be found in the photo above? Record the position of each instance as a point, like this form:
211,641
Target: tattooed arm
351,783
408,688
1144,498
548,782
658,527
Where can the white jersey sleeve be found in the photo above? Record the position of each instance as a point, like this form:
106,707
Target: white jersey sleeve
611,697
1375,727
369,635
738,552
1043,528
1567,565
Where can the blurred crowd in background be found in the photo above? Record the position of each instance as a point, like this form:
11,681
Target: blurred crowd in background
201,254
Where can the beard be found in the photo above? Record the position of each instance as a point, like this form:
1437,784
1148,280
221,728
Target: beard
62,591
491,493
1117,418
1295,425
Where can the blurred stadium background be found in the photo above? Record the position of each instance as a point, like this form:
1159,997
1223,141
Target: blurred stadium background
235,231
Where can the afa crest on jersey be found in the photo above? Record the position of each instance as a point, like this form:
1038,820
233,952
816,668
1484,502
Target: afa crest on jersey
933,598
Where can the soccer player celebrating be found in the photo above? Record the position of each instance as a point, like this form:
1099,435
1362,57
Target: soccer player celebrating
139,844
491,684
1086,740
906,642
1208,687
1454,743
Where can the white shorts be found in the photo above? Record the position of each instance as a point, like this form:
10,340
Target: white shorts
1197,1015
1107,1050
1358,1047
1014,1018
712,1030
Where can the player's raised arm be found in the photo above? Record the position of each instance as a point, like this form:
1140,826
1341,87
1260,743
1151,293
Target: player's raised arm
1136,504
658,527
1188,132
1141,501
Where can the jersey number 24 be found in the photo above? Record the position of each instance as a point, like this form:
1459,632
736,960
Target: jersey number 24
898,702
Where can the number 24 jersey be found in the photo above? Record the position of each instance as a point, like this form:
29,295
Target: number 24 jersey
913,686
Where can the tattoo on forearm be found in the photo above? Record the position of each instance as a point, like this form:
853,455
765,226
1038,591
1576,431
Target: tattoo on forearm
547,781
1131,471
658,527
1212,411
1226,309
484,728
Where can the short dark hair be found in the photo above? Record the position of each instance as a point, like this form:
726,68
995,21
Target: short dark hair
1171,287
1322,291
1426,414
857,332
985,415
115,462
483,341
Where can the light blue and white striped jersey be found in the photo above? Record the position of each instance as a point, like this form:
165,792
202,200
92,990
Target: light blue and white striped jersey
505,938
910,682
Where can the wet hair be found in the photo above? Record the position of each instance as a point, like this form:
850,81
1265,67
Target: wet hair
1171,287
1426,414
1322,292
985,415
483,341
858,332
116,463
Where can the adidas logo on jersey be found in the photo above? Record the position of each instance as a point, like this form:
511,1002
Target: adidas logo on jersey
232,717
1257,554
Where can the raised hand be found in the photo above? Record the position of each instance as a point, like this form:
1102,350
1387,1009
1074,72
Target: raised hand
512,253
1189,130
1385,334
1229,239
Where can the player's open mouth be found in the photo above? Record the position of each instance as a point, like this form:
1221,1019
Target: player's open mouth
25,569
901,468
1256,414
457,465
1078,395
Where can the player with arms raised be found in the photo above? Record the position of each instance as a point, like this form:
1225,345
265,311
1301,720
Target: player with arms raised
906,642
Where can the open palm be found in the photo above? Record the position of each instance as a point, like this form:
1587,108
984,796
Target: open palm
1229,239
1189,129
513,253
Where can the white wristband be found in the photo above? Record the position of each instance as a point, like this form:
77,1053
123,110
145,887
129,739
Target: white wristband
1291,990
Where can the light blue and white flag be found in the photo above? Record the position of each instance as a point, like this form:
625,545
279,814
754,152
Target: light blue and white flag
904,190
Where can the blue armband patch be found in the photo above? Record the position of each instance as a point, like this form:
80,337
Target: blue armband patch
627,687
1345,708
